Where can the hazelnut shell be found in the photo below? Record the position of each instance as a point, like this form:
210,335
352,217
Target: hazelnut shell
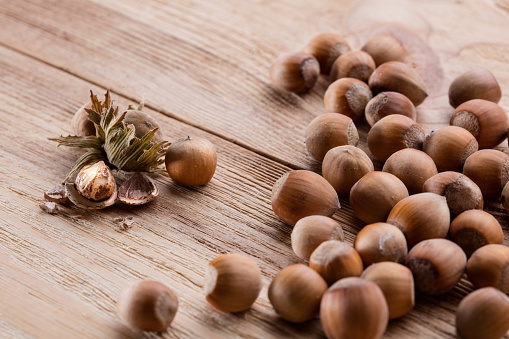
347,96
475,84
310,232
384,48
355,64
296,72
489,266
387,103
489,169
326,48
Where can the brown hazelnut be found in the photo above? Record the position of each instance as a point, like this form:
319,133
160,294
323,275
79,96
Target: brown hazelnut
343,166
385,48
296,72
398,77
326,48
347,96
393,133
355,64
143,123
449,147
489,169
300,193
327,131
412,167
437,265
397,284
489,266
486,121
475,84
310,232
295,293
505,197
375,194
387,103
421,216
80,124
380,242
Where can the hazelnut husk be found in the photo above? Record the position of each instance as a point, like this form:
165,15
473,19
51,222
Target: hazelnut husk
310,232
486,121
296,72
80,124
347,96
398,77
137,190
384,48
489,266
375,194
393,133
505,197
437,265
489,169
300,193
380,242
387,103
449,147
355,64
475,84
412,167
327,131
343,166
326,48
143,123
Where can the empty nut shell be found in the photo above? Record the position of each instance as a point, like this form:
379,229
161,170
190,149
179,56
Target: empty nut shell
355,64
489,266
385,48
326,48
310,232
489,169
387,103
475,84
347,96
380,242
295,72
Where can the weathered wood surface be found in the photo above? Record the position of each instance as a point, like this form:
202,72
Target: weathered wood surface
203,68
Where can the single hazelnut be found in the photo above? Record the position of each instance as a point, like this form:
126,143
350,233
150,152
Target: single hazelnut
461,193
449,147
489,169
191,161
95,182
384,48
387,103
295,293
326,48
80,124
335,260
296,72
421,216
505,197
475,84
343,166
397,284
437,265
475,228
380,242
300,193
347,96
137,190
355,64
143,123
310,232
412,167
483,314
489,266
327,131
232,282
398,77
354,308
375,194
393,133
486,121
147,305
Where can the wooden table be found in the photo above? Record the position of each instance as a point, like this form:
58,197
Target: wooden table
202,67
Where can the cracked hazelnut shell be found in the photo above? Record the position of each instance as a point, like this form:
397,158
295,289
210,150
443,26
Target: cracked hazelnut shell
326,48
137,190
475,84
347,96
354,64
296,72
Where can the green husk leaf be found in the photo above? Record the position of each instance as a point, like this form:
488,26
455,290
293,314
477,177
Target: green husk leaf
88,158
77,141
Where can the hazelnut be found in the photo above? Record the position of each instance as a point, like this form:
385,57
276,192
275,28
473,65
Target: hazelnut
232,282
489,266
147,305
80,124
387,103
385,48
300,193
486,121
437,265
461,193
475,84
295,293
309,232
326,48
421,216
475,228
296,72
347,96
505,197
397,284
343,166
412,167
449,147
327,131
356,64
489,169
354,308
335,260
137,190
393,133
483,314
398,77
380,242
375,194
191,161
143,123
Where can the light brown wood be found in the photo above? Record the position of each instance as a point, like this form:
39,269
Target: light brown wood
202,67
